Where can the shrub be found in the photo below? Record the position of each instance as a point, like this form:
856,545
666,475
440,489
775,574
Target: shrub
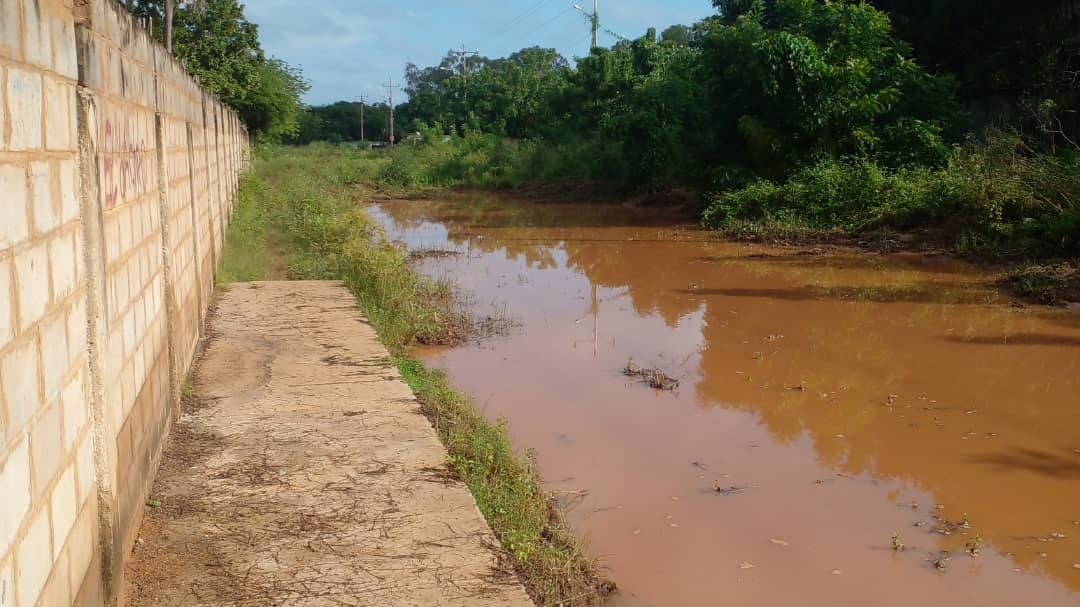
993,196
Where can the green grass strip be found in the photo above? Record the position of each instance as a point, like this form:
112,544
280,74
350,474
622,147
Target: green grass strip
299,201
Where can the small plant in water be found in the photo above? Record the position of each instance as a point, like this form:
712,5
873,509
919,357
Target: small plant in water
653,376
941,561
897,542
974,546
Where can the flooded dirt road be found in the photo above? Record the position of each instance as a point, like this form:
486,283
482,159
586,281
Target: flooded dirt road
825,403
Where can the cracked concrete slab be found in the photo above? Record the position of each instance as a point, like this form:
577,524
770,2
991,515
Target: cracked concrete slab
303,473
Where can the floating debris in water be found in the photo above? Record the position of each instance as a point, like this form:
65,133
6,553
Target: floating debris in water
653,377
836,572
729,490
431,252
746,565
778,542
947,527
774,337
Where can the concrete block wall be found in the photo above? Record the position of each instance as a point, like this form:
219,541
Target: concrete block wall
117,178
48,506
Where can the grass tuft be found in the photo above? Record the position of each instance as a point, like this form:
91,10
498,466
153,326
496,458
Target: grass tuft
1049,284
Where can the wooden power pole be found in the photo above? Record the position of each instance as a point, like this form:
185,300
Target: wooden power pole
362,99
390,87
464,54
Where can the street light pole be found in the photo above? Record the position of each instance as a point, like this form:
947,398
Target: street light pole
594,21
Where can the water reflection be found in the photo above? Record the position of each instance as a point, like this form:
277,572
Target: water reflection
849,394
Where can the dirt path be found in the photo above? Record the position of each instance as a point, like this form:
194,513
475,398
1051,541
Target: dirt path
306,475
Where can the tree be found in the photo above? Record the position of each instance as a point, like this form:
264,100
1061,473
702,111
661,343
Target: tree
163,14
221,47
677,34
794,79
340,122
216,43
273,109
1011,58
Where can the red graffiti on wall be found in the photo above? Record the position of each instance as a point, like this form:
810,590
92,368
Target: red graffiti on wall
122,163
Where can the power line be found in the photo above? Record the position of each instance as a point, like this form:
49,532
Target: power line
531,10
547,23
509,28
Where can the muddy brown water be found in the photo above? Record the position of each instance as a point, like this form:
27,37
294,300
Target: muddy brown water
836,400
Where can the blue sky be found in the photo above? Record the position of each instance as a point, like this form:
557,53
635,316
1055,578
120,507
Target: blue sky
348,48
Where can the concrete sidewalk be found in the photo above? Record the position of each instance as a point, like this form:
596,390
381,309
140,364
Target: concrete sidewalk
306,474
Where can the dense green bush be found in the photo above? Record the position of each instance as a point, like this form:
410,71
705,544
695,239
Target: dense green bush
482,159
993,196
791,80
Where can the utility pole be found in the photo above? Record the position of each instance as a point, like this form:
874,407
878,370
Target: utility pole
463,54
390,87
594,21
362,99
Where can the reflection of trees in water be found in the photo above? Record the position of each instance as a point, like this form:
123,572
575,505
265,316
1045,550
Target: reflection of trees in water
603,253
852,354
644,269
854,332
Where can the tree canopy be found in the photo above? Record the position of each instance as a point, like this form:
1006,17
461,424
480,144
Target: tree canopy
764,87
217,43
